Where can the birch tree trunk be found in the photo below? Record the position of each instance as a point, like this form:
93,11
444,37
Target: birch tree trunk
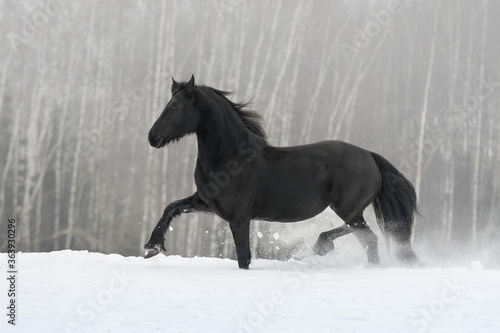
288,107
251,83
3,81
44,141
167,60
282,70
11,156
272,33
16,169
449,189
477,145
363,69
95,214
148,221
240,42
32,154
59,163
255,225
72,209
425,106
324,65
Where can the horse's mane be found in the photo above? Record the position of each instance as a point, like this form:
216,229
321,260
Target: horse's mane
252,120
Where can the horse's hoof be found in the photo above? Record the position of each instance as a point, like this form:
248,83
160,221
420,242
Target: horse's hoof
323,248
152,252
243,263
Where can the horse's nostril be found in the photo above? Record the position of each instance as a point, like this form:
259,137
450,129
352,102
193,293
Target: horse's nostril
151,138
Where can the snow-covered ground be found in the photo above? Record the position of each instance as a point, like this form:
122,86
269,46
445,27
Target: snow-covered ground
78,291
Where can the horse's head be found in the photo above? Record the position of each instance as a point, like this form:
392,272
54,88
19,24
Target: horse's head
180,116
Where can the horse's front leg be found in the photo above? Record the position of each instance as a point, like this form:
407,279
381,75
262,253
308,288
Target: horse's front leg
241,235
156,242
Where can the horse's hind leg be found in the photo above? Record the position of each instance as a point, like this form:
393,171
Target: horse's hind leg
360,229
367,238
324,244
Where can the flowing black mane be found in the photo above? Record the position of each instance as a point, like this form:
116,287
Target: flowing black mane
252,120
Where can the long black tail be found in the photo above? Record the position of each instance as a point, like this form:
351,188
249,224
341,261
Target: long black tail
395,207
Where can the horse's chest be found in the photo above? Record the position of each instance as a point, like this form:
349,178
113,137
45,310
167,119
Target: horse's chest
226,207
224,193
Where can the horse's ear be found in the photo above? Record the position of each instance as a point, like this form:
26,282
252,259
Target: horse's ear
175,85
190,85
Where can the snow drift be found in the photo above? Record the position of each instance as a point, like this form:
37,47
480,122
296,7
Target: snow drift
78,291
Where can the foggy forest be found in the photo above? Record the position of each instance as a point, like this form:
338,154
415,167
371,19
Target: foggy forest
81,83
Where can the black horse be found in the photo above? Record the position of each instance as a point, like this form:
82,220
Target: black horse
240,177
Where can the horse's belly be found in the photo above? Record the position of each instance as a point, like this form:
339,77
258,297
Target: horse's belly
290,215
291,205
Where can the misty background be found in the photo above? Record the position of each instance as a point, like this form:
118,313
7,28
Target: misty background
81,83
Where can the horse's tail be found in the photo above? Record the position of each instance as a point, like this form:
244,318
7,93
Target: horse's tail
395,206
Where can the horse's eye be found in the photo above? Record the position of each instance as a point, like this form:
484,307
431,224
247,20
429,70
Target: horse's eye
174,106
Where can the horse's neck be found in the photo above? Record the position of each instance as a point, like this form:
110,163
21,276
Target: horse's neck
219,138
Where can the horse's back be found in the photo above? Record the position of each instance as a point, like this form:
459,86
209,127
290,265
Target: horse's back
333,153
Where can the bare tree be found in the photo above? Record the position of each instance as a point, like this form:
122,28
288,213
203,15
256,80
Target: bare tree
72,209
478,130
425,105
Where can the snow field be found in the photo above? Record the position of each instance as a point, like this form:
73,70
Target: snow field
78,291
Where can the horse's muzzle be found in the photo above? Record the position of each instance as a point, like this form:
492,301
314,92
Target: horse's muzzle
156,142
151,139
